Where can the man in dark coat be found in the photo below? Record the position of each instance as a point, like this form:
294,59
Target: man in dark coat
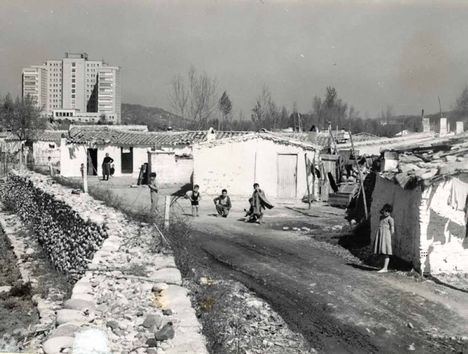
258,203
106,167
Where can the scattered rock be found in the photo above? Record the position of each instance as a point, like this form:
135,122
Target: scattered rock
412,347
152,321
285,228
165,333
5,289
410,325
112,325
152,342
167,312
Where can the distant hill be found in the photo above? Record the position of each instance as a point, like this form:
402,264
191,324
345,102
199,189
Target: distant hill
155,118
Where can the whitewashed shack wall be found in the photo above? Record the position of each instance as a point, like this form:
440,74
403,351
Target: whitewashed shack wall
71,158
43,149
428,231
443,237
405,243
237,165
170,168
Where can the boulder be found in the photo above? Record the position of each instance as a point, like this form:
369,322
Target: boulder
56,345
65,330
165,333
66,315
152,321
79,304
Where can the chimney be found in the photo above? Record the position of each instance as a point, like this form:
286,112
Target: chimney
443,126
459,128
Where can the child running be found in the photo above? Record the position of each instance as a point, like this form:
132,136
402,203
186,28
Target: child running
194,197
383,239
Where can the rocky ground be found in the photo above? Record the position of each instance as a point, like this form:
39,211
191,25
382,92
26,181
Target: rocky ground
31,288
299,262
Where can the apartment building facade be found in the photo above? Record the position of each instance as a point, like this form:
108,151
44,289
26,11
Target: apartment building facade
76,84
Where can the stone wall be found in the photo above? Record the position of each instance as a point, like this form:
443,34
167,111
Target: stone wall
130,293
68,239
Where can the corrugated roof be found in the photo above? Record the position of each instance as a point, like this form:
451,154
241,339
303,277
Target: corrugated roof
132,138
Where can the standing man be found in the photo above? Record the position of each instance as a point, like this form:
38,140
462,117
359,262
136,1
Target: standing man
258,203
154,190
106,167
223,204
51,167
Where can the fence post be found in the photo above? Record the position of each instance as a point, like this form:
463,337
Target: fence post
84,177
167,211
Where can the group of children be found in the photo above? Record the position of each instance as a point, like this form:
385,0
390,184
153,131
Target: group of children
258,203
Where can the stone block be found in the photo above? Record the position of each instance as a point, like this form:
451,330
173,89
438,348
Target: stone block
56,345
167,275
66,315
79,304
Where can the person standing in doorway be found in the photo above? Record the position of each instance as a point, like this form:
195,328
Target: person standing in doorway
154,192
258,203
223,204
383,239
106,167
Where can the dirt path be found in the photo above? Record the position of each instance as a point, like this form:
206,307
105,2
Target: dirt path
338,306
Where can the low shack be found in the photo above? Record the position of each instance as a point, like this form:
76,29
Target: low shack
278,164
429,194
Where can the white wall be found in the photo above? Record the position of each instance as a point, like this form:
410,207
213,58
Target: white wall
428,232
42,150
237,165
71,158
169,168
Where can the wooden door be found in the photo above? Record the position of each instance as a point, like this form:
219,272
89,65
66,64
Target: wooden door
287,176
127,160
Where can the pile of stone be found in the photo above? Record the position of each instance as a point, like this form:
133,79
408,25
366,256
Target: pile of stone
69,240
130,295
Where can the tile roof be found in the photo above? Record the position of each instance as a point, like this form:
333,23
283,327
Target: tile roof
51,135
267,136
133,138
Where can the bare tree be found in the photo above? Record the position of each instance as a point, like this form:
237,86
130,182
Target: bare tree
225,107
179,96
266,113
194,98
22,117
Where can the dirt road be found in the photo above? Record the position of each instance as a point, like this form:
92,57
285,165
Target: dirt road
339,306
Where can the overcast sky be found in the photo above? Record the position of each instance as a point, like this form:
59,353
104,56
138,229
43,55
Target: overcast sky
375,54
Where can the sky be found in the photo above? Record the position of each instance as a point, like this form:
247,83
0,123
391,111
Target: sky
402,54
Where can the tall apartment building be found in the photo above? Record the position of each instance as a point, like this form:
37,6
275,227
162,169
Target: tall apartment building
34,84
75,84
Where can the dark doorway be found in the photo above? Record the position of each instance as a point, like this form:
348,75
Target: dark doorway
127,160
92,162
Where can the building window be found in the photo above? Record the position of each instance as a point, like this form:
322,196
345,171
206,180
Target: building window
73,80
73,64
73,70
73,96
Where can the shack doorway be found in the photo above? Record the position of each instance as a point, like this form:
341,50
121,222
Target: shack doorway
92,162
127,160
287,176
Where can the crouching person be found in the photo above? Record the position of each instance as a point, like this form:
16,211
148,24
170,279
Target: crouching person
258,203
223,204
